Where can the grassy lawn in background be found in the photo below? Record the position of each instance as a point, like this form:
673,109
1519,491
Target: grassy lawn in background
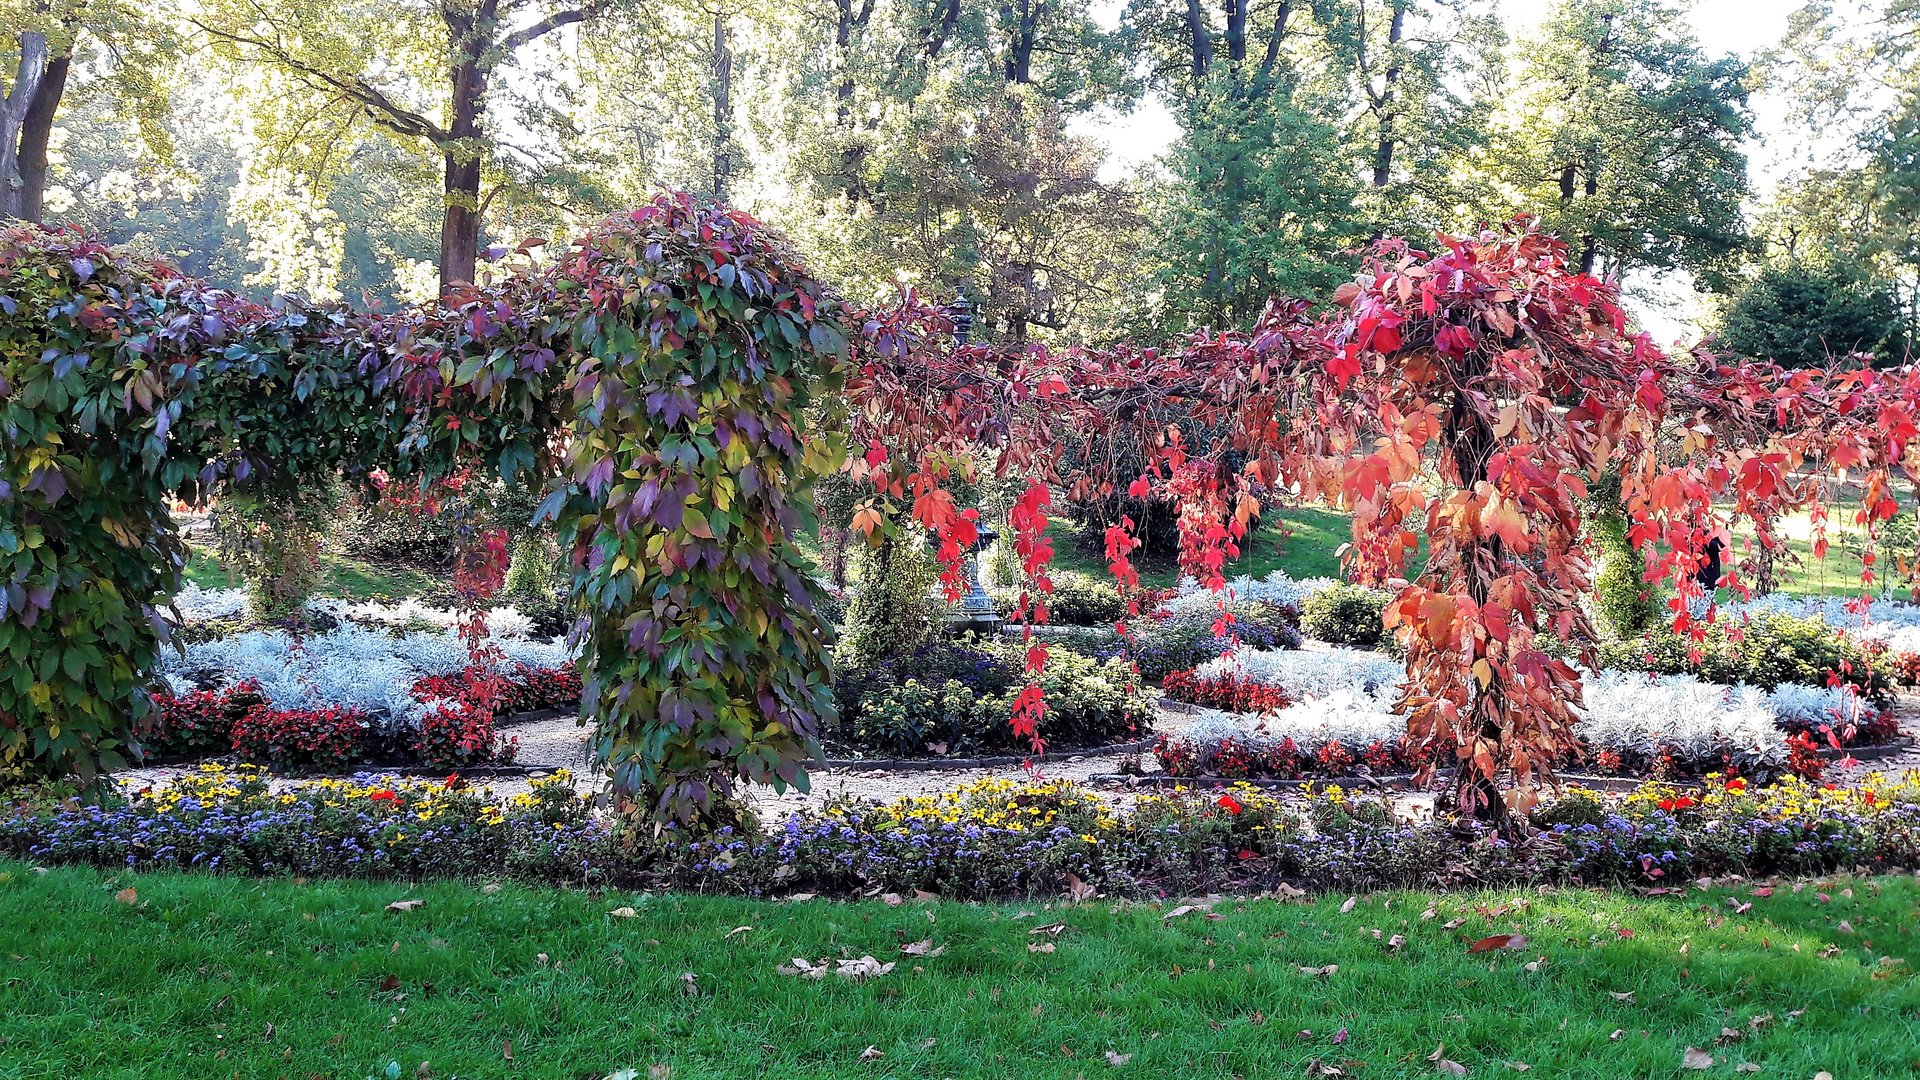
1299,540
342,576
196,976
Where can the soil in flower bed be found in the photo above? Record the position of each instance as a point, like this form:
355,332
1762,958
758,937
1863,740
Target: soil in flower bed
177,975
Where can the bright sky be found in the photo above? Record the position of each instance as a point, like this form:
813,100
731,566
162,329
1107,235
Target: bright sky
1667,308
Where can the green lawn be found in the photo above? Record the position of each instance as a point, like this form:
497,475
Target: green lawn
1299,540
340,576
194,976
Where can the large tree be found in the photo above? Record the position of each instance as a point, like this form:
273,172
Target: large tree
1624,136
52,44
419,73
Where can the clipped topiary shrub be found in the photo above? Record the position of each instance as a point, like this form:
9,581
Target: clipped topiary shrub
1346,614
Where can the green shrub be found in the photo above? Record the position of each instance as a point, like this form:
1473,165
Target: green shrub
273,542
1162,645
383,531
1077,600
1623,604
1346,615
893,610
1771,651
960,696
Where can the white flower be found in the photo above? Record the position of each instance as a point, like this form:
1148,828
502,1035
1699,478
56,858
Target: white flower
1275,588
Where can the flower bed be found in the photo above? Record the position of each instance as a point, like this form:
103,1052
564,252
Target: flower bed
993,838
1335,711
354,694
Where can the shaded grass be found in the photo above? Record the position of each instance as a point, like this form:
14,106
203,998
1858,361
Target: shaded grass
1299,540
354,579
207,976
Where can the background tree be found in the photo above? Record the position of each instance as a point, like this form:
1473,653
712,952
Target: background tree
1621,135
1810,313
419,74
103,45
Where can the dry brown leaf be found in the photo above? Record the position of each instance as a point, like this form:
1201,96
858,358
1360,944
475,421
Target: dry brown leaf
871,1053
1320,971
1078,890
690,984
490,888
1746,1067
1183,909
1695,1058
735,932
1729,1035
127,896
892,899
1117,1060
1348,906
1620,995
1498,942
923,947
624,913
1395,942
1518,1066
397,905
1040,946
1051,929
1317,1068
1615,1037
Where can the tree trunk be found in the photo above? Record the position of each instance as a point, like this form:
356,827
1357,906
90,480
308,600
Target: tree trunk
1383,153
29,73
1201,42
35,135
460,156
1472,441
722,107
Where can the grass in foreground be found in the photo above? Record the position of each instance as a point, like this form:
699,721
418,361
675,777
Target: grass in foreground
192,976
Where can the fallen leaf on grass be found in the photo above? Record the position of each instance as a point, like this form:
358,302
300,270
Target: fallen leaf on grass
1348,906
397,905
1183,909
871,1053
892,899
1040,946
1117,1060
1078,890
1051,929
624,913
127,896
690,983
1615,1037
1442,1063
506,1049
1695,1058
1518,1066
1621,995
735,932
923,947
1320,971
490,888
1317,1068
1746,1067
1729,1035
1532,966
1395,942
1497,942
865,967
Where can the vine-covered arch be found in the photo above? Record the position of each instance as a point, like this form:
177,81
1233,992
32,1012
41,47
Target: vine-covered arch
673,375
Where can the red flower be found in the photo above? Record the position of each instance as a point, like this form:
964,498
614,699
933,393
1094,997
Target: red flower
384,796
1737,784
454,783
1230,804
1245,855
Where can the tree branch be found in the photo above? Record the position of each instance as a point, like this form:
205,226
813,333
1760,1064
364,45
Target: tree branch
540,29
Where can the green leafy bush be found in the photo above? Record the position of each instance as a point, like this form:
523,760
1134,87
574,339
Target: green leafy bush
1770,651
893,610
1346,614
960,696
1077,600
